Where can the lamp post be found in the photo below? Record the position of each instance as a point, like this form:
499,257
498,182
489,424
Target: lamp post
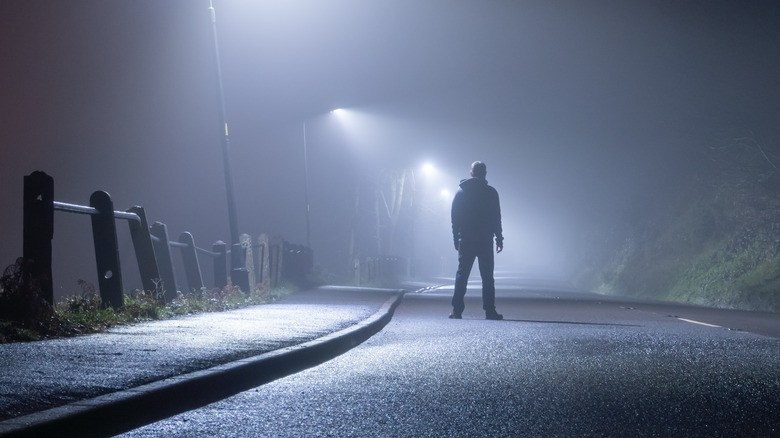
306,187
306,179
239,274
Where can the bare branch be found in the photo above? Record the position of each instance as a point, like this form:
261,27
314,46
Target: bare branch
765,156
750,140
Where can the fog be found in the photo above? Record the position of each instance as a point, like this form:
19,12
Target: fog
579,109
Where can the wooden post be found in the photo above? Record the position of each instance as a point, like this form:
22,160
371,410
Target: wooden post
38,229
239,275
220,264
249,261
257,264
162,252
190,258
144,250
298,262
263,261
276,253
106,250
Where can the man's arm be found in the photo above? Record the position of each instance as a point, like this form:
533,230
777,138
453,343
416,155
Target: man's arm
455,218
497,229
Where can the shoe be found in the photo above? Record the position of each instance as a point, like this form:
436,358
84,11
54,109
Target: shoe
494,316
455,316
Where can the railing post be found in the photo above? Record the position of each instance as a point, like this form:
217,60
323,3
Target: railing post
298,262
290,261
190,258
38,229
276,253
257,264
144,250
263,262
162,251
356,269
220,264
106,250
249,261
239,275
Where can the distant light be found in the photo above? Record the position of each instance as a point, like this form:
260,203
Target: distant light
445,193
338,111
428,169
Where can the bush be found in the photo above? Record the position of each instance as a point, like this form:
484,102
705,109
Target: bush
21,301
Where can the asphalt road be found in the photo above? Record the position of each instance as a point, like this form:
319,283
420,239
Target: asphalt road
562,363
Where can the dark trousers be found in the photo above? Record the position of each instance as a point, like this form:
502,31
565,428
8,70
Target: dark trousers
483,251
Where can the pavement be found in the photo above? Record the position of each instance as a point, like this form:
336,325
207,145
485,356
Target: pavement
108,383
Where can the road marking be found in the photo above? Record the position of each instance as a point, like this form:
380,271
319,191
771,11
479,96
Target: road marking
699,322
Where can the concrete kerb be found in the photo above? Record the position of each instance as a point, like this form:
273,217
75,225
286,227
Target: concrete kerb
119,412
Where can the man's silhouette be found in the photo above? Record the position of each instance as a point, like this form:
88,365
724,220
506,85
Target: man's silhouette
476,218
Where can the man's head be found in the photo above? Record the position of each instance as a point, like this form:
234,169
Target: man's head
478,169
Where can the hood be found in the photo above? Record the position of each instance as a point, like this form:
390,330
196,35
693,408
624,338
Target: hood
472,183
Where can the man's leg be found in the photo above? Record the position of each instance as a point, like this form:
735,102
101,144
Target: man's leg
486,265
465,263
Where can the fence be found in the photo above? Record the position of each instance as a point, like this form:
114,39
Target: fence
381,270
152,247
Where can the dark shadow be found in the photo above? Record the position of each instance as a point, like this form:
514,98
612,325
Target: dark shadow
572,322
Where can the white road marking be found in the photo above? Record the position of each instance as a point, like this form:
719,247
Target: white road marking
699,322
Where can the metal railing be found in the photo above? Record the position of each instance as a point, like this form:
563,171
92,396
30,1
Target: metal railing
73,208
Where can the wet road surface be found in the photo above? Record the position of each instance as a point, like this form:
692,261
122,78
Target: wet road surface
42,375
563,363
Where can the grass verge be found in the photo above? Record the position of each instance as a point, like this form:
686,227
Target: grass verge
25,316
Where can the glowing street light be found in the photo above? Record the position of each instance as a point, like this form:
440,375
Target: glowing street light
428,169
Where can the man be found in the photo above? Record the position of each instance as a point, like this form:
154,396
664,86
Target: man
476,218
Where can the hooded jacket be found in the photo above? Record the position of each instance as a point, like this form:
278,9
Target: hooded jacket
476,213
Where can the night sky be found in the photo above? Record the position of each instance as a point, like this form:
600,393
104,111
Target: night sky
579,108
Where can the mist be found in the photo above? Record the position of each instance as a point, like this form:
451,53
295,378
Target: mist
581,111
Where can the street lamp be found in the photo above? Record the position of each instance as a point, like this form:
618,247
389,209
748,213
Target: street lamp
306,187
239,274
428,170
336,111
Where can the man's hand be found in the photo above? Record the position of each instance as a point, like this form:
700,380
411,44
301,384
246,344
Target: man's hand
499,248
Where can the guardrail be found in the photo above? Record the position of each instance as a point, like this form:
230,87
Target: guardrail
152,247
381,269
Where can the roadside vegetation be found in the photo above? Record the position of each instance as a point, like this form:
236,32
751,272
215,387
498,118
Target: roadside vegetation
712,238
26,316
